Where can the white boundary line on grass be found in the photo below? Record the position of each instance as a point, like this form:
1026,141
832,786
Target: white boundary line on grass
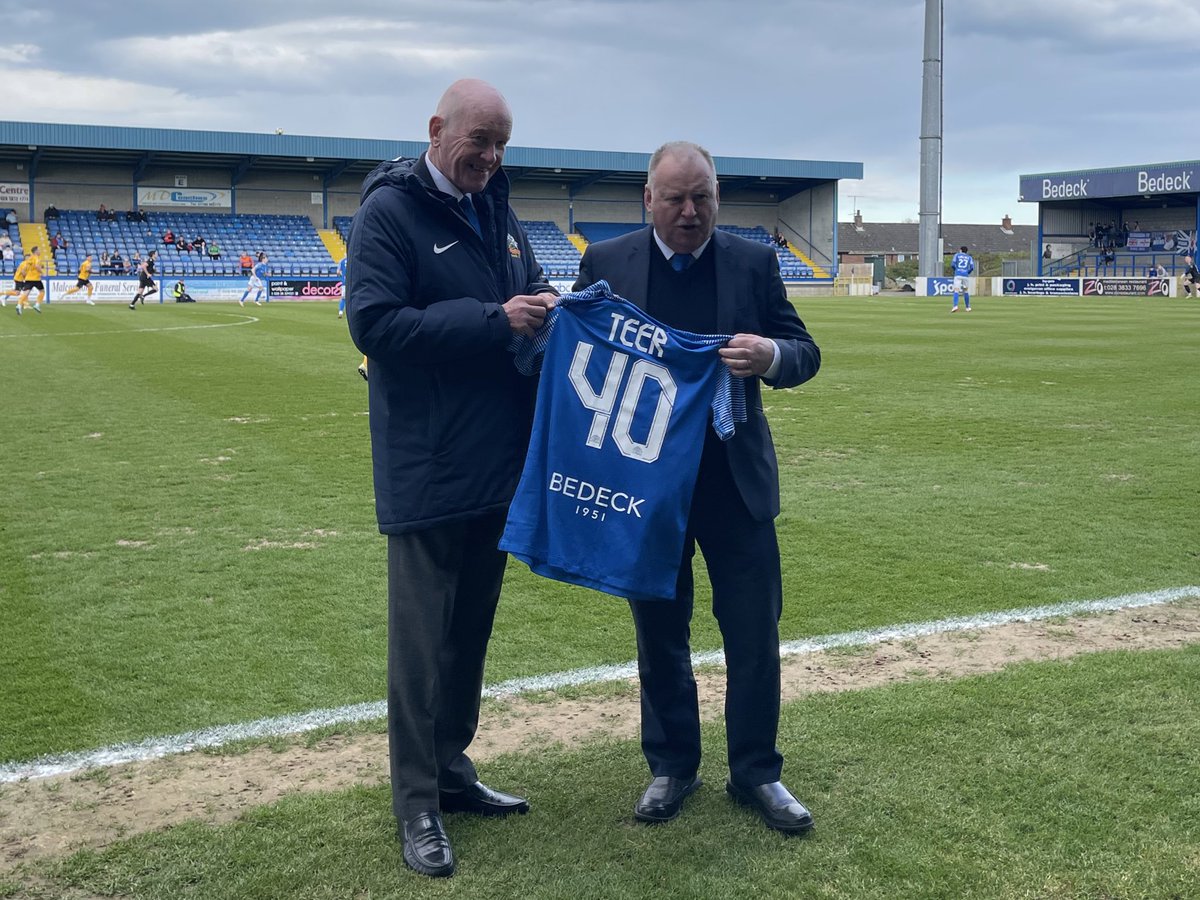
246,320
154,748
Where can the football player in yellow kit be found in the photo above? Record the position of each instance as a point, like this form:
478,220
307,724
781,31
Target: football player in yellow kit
28,278
84,280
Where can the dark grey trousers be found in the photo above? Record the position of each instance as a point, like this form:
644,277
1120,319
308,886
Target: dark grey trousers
443,586
742,556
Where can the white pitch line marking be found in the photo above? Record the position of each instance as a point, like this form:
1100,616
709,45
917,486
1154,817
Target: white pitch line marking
246,320
298,723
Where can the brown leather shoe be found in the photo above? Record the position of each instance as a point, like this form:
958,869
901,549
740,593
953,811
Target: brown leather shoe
663,799
775,804
482,801
426,846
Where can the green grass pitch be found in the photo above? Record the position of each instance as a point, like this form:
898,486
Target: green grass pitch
187,535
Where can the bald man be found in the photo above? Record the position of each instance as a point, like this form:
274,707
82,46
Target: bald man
440,278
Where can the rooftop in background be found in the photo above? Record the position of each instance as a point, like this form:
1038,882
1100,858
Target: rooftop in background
31,143
904,237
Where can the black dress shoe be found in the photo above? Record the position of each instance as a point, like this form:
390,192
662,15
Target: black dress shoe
663,800
426,847
775,804
482,801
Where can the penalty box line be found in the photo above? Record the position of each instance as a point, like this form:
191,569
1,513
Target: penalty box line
298,723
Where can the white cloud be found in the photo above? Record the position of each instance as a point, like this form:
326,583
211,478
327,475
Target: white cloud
294,54
75,98
1029,85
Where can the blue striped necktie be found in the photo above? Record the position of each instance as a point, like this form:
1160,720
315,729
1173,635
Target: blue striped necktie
468,209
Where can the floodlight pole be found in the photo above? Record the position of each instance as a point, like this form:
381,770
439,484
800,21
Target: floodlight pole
929,247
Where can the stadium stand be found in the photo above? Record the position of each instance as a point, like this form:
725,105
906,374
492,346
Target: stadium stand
602,231
790,266
292,243
558,257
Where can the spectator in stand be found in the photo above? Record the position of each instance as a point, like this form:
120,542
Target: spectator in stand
11,217
214,250
182,246
5,240
247,263
1157,271
135,215
198,244
102,214
50,214
6,252
116,262
1108,257
1046,255
168,237
105,263
58,242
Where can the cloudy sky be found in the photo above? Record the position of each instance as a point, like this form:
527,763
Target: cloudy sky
1030,85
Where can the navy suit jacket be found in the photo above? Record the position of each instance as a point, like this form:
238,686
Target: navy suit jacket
751,299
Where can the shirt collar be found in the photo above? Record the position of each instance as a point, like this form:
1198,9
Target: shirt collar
668,252
441,182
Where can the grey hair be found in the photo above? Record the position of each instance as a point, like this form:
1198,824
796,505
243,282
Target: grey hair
679,148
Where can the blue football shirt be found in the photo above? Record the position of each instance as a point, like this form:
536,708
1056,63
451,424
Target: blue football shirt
622,407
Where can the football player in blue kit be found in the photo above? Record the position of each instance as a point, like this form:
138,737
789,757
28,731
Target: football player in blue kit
962,264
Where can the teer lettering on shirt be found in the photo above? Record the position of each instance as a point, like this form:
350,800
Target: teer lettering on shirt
635,334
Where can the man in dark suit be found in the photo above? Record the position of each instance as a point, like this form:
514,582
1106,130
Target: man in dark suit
690,276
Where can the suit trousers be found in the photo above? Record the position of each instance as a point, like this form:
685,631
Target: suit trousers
742,558
443,587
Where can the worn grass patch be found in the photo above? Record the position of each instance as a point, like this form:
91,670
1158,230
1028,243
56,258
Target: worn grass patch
1049,780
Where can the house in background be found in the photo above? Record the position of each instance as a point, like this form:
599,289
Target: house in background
885,243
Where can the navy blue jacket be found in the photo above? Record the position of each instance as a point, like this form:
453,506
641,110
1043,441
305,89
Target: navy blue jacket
450,414
751,299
